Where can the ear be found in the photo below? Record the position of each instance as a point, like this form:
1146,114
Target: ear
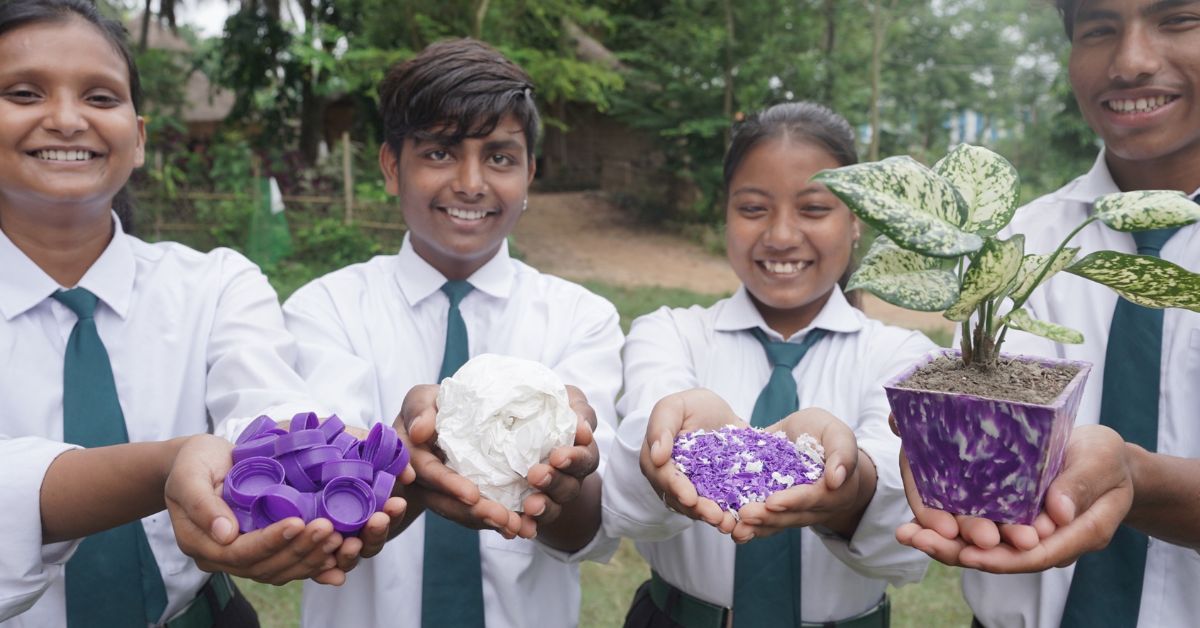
532,170
139,153
389,165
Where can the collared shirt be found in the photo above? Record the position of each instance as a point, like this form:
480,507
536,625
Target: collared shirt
1169,588
672,350
197,344
370,332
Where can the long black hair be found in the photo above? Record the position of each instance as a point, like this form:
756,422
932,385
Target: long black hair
806,121
17,13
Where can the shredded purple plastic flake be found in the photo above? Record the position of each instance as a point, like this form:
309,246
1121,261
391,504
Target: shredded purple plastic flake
734,466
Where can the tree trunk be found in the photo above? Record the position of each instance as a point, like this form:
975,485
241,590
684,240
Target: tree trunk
145,36
312,106
829,9
727,106
480,15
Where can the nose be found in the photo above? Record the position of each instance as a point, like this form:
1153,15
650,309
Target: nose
1136,56
784,230
468,182
64,116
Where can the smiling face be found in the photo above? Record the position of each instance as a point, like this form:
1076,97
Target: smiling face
460,201
1135,70
789,240
69,135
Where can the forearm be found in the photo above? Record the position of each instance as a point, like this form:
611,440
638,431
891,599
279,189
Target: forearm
579,521
89,490
1166,496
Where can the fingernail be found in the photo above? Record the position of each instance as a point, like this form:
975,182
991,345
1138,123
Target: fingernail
544,482
291,532
563,464
491,524
540,511
330,563
332,544
654,447
221,528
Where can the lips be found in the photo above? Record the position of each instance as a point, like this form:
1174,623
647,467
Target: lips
1145,104
466,214
67,155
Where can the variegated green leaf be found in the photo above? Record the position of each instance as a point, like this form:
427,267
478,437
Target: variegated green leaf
907,202
988,184
1031,267
1020,319
1142,279
904,278
991,270
1149,209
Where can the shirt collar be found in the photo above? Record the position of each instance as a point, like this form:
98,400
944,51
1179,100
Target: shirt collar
1097,182
740,314
418,279
110,277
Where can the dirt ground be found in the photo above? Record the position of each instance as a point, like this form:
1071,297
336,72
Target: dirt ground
582,236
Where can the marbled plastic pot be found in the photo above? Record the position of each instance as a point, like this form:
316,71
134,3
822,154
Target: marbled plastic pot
983,457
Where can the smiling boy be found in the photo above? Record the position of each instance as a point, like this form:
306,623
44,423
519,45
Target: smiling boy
1135,70
460,125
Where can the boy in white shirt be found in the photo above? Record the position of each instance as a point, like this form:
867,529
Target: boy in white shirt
1135,70
460,125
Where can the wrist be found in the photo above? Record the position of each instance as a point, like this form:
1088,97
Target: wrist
1138,464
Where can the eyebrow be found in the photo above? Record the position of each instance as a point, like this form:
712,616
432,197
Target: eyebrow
498,145
753,190
1095,15
36,74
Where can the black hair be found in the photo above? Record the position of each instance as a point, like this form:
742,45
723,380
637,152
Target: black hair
1066,10
453,90
15,14
803,121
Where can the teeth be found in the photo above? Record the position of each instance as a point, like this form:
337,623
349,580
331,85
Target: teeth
1140,105
785,268
64,155
466,214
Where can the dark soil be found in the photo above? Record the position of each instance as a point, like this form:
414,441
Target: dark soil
1012,380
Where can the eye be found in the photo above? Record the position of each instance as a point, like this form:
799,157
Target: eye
750,210
1184,20
104,100
437,155
500,159
816,209
21,95
1095,32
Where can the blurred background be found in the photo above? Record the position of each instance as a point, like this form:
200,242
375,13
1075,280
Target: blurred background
264,135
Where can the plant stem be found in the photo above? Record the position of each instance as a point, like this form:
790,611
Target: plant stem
1050,261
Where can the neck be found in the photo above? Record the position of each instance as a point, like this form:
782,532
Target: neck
452,267
64,251
1173,172
789,321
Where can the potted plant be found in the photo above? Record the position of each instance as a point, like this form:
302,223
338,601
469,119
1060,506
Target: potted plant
976,444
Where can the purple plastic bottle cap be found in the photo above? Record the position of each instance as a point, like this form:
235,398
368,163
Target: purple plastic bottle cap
262,445
380,446
370,445
400,460
345,442
332,427
297,477
312,459
249,478
244,521
382,487
295,441
277,503
256,428
347,503
304,421
360,469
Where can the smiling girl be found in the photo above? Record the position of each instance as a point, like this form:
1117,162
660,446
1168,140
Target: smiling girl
811,554
106,339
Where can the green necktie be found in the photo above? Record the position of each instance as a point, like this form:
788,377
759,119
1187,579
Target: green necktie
452,590
112,579
766,572
1106,589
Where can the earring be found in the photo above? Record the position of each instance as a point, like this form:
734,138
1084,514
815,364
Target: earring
525,204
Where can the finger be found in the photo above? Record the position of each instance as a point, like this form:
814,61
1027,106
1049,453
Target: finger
434,475
978,532
938,547
542,508
584,433
892,424
579,403
797,498
349,552
307,555
1021,537
204,508
666,419
333,577
375,533
841,453
578,461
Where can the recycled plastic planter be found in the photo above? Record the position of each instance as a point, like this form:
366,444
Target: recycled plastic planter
987,458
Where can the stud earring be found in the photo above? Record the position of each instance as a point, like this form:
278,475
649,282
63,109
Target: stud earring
525,204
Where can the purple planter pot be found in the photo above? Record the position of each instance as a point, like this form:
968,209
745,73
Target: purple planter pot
984,457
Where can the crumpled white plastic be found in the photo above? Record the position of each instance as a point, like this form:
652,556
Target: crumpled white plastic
497,417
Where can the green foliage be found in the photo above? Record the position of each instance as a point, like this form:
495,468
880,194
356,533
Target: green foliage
908,266
332,243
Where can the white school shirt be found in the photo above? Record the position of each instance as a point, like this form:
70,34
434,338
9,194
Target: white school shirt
672,350
370,332
196,342
1169,591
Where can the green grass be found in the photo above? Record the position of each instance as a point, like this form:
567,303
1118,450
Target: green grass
608,589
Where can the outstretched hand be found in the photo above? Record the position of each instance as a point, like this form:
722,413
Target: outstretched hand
685,411
836,500
1084,505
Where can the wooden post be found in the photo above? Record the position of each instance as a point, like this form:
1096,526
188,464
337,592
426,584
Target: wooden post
347,177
